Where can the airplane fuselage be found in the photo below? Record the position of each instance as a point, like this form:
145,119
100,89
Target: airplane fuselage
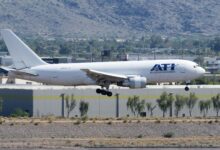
170,70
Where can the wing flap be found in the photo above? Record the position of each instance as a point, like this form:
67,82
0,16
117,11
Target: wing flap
97,75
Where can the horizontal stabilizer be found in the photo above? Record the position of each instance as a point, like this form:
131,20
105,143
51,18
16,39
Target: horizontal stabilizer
6,70
24,72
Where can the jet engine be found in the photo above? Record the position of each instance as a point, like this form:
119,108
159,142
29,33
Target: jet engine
134,82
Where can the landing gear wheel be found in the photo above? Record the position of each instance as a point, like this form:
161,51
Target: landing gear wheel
98,91
186,88
103,92
109,93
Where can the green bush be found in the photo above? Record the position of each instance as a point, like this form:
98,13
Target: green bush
20,113
83,108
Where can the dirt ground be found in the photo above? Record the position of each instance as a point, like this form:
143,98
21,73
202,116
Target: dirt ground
107,132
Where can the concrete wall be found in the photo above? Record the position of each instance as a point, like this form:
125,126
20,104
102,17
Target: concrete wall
47,101
16,98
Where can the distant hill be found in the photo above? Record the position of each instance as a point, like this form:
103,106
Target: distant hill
107,18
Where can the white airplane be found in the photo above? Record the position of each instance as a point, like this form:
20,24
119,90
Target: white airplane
133,74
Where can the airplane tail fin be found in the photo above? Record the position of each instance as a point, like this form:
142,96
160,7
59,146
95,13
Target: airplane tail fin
22,55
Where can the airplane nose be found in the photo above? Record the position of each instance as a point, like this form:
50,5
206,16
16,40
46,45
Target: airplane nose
201,71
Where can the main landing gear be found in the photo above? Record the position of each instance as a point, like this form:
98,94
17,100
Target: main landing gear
103,92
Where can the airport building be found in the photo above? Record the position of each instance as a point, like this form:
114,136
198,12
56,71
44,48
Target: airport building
212,64
42,100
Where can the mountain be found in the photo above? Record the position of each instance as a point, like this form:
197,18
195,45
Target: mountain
110,18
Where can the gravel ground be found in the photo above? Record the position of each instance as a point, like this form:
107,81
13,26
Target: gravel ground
106,130
59,135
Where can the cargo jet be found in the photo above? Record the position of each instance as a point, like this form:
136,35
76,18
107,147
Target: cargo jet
133,74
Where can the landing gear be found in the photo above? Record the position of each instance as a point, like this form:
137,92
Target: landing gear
187,86
103,92
104,84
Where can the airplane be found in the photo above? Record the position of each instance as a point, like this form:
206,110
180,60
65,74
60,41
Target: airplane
133,74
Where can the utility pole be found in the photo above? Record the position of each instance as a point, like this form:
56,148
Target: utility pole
62,104
117,105
171,106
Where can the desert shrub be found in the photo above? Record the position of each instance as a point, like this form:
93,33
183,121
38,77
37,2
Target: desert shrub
119,118
84,119
50,120
77,122
77,145
109,123
168,135
36,123
125,121
210,122
140,136
157,121
172,121
70,104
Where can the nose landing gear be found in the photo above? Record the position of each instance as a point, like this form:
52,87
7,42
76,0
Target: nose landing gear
187,86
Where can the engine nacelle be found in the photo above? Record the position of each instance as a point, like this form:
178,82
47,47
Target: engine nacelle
134,82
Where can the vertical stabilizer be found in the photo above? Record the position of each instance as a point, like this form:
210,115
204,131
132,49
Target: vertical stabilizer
22,55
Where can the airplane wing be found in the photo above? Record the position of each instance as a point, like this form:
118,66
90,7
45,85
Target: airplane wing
99,75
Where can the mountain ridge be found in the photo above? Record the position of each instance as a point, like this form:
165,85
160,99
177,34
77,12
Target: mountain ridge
110,18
